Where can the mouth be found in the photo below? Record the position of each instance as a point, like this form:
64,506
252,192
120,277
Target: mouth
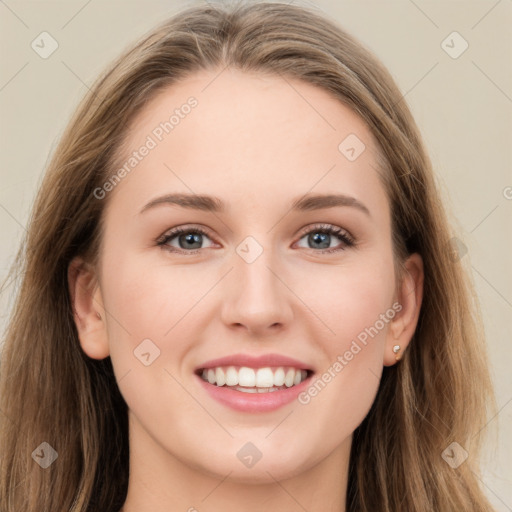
254,384
245,379
254,390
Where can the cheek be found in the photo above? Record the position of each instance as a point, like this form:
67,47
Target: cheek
359,310
148,300
351,299
150,331
356,304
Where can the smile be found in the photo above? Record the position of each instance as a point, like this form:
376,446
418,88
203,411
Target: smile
254,380
253,383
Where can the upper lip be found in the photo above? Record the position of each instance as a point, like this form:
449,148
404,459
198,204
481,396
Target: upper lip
255,361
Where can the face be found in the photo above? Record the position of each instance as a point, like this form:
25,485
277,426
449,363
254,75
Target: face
279,285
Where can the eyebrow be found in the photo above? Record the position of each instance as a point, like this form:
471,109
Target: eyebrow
209,203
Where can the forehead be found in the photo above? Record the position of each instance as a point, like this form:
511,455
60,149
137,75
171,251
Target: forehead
247,136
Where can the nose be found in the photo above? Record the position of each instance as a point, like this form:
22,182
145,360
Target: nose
257,298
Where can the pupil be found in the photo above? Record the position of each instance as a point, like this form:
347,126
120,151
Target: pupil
321,238
192,238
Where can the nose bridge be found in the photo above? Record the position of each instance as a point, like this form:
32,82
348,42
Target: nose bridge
256,297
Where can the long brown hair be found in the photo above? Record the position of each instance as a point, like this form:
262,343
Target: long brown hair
50,391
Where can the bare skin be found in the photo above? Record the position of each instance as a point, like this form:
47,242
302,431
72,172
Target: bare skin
254,142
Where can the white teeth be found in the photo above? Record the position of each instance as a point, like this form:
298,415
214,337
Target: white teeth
220,377
264,378
249,380
247,390
257,390
246,377
279,377
288,380
231,377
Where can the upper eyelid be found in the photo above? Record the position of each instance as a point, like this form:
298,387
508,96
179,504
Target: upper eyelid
324,226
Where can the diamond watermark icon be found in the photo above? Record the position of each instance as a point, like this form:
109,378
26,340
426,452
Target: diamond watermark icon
146,352
456,249
44,45
249,455
454,455
454,45
351,147
249,249
44,455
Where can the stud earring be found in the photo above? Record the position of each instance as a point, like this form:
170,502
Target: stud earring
396,349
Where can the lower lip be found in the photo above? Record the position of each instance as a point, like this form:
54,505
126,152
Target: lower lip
254,402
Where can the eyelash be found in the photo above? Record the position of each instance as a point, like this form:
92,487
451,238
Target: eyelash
329,229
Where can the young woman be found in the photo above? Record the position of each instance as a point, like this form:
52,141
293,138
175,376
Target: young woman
238,290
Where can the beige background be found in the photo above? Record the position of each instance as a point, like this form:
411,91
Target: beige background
463,107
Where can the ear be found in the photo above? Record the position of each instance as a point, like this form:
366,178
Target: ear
88,311
403,325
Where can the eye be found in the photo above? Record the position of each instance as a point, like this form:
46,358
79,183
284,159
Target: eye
188,239
320,237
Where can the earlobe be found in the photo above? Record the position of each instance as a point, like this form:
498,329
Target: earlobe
403,326
88,312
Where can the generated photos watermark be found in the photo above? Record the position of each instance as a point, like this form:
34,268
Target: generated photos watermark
343,360
156,136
